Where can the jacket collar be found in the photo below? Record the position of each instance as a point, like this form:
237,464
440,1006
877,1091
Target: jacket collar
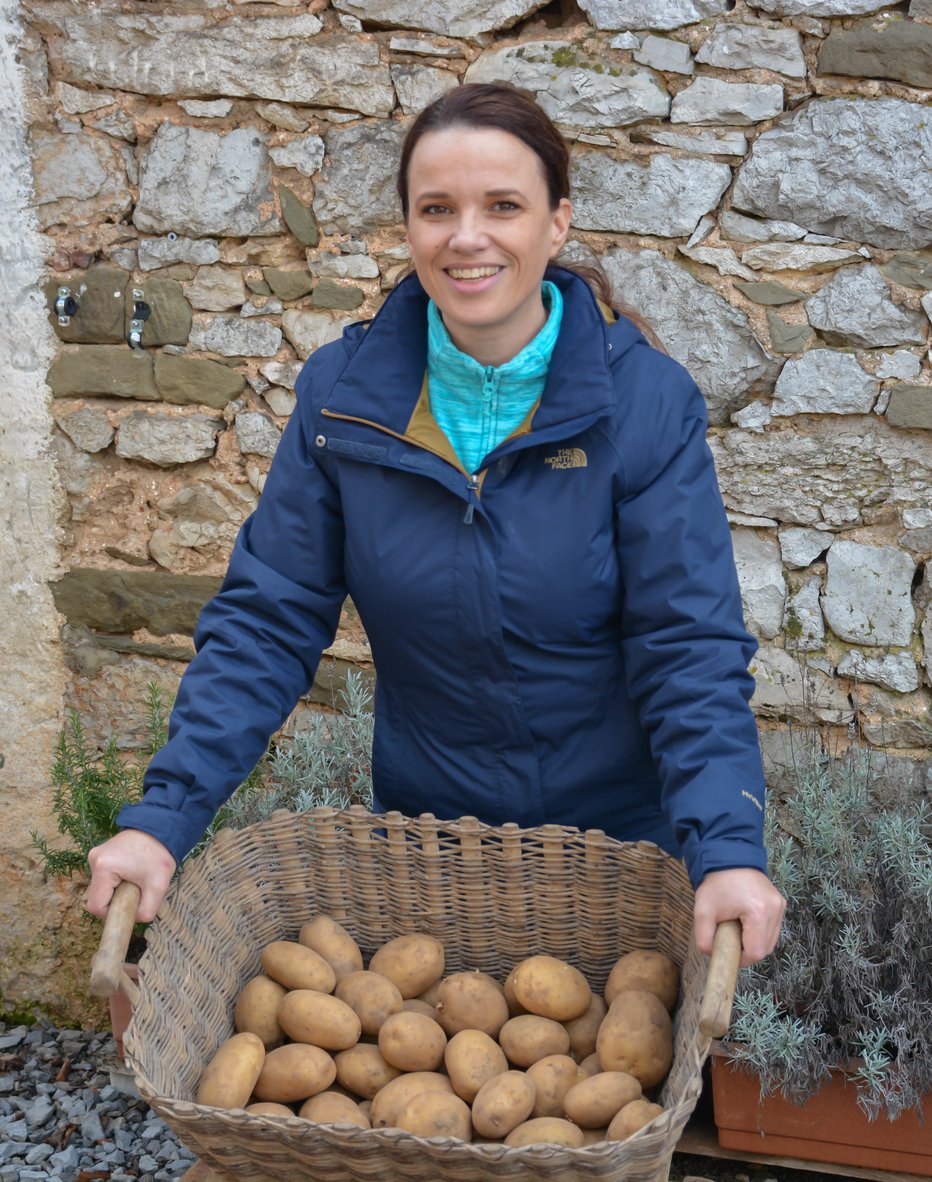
384,375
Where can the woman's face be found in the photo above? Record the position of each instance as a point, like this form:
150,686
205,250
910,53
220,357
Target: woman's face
481,232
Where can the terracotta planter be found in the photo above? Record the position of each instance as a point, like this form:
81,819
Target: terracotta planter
829,1127
121,1008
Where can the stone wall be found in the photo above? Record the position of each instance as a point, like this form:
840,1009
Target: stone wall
754,175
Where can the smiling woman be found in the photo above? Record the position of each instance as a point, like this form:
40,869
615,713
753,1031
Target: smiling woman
515,489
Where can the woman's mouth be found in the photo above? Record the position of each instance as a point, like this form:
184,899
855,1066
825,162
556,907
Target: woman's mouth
472,274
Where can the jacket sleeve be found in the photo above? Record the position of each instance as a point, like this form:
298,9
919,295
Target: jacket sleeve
258,645
686,650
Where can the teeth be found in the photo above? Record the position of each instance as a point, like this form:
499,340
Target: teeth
472,272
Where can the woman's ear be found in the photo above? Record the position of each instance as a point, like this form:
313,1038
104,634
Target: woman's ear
562,216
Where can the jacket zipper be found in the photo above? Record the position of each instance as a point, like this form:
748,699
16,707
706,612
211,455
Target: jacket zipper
472,491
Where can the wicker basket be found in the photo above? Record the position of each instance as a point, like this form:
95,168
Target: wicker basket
492,895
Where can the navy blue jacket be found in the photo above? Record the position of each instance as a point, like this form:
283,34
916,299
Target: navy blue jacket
559,639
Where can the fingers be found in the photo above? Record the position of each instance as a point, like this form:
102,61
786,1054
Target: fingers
746,895
130,856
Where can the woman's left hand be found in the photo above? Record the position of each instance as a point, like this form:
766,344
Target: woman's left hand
744,894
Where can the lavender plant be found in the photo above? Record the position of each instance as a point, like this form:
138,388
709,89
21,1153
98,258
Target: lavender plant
850,983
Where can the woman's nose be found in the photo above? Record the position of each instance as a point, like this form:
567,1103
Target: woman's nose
468,233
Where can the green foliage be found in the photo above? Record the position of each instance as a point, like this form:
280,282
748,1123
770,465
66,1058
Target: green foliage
91,791
851,979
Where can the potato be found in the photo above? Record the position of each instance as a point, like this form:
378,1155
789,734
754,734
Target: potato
645,968
269,1108
502,1103
363,1071
412,1042
297,967
320,1019
390,1100
430,995
584,1029
552,988
229,1078
593,1102
413,962
334,943
436,1114
528,1037
632,1117
331,1108
414,1005
545,1130
637,1036
256,1010
472,1058
552,1078
590,1065
294,1072
594,1136
514,1006
471,1001
372,996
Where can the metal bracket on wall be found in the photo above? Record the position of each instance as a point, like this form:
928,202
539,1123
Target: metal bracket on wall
141,313
67,303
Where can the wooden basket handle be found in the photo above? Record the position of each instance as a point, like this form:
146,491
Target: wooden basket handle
107,966
715,1010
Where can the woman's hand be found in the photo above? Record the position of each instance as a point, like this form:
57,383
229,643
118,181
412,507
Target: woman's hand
130,856
746,895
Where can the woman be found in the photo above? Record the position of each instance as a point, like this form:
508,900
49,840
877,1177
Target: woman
516,491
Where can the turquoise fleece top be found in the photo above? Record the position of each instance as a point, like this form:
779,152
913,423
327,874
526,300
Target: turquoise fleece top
477,406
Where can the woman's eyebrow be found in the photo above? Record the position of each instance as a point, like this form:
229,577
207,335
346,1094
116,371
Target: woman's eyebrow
437,194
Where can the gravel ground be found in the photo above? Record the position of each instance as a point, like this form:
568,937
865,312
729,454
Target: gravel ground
63,1120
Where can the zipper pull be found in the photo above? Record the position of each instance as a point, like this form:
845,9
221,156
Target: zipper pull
472,486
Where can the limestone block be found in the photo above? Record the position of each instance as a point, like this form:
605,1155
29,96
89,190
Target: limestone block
800,547
818,7
453,18
666,197
305,154
282,58
281,115
893,671
888,719
803,625
280,401
75,101
118,125
166,439
123,601
715,143
281,373
898,49
827,470
345,266
298,218
288,285
855,308
263,307
232,336
99,319
852,167
867,597
902,364
216,289
769,293
760,575
650,14
87,427
307,331
824,381
201,109
790,689
162,252
910,270
102,371
910,406
356,191
753,417
699,327
722,258
791,256
416,86
256,434
788,338
926,634
78,179
192,380
712,100
202,182
744,229
663,53
205,519
406,44
749,47
572,87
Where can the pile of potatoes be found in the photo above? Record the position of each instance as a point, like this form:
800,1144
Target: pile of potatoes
538,1059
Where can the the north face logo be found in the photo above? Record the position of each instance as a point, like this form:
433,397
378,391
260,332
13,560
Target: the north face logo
567,457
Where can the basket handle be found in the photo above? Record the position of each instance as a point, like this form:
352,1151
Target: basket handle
722,975
107,975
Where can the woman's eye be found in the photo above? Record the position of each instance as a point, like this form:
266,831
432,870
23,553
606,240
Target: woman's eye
505,206
430,210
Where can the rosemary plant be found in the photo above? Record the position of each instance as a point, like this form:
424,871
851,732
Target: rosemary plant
850,983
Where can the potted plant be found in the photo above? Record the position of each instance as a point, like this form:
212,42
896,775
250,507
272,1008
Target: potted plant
841,1012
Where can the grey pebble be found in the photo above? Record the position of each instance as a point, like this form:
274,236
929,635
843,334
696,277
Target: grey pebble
39,1153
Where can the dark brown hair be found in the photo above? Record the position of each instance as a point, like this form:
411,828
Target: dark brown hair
499,106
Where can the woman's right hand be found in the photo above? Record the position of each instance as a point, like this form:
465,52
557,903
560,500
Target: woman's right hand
130,856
